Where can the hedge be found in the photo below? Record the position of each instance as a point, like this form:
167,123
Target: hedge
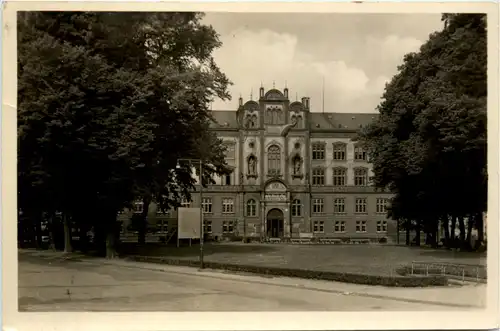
392,281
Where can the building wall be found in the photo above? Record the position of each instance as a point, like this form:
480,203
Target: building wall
256,140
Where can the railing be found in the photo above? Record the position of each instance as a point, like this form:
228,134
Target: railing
464,272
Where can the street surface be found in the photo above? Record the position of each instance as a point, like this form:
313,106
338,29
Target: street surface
109,285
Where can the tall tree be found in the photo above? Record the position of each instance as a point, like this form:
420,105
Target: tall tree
429,144
107,103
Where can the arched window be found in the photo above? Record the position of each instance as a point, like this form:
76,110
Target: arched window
296,208
274,160
339,176
360,176
251,208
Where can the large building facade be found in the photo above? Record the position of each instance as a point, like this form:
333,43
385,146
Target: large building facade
296,174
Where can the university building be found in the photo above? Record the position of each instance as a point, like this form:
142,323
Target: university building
296,174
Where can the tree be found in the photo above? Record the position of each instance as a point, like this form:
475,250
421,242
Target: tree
107,103
428,146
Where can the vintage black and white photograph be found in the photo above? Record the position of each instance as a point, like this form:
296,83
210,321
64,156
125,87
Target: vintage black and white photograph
251,162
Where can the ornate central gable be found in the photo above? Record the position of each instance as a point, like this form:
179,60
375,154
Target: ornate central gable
274,95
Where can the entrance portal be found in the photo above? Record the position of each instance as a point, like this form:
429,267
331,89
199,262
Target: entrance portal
275,223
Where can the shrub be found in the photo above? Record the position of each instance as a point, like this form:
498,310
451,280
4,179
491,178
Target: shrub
383,240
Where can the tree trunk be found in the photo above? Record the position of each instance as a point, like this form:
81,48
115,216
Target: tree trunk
452,231
470,224
461,225
446,226
38,217
143,225
67,234
408,228
417,233
111,245
52,243
480,228
397,232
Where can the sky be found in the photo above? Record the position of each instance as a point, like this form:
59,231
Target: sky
355,55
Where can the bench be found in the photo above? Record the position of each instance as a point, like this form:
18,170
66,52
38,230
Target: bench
330,241
360,241
300,241
274,240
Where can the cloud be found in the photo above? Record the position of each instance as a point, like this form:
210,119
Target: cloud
250,57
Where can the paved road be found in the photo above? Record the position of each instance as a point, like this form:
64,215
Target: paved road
130,286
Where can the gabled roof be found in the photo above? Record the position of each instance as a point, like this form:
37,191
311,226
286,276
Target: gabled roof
346,121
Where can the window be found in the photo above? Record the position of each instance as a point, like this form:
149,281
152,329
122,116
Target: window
339,226
185,203
227,179
274,160
382,226
296,208
317,206
318,176
227,227
360,226
227,206
138,207
360,205
319,227
360,176
359,153
382,206
339,151
207,227
251,208
339,205
318,151
162,226
339,176
206,205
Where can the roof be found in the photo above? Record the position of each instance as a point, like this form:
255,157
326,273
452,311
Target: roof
346,121
318,121
224,119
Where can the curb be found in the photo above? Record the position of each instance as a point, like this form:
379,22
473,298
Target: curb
389,281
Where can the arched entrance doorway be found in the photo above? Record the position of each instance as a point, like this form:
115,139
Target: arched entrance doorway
275,223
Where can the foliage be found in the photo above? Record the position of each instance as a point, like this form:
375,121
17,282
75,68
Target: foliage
428,147
107,104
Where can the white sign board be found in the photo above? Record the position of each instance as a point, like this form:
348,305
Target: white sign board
188,223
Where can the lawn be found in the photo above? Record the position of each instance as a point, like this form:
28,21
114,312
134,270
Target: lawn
367,259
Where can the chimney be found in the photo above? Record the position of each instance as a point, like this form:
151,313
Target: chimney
303,100
286,92
240,101
261,91
306,104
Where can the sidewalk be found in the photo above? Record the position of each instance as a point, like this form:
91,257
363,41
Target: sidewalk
467,296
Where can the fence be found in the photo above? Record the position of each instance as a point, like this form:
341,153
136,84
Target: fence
464,272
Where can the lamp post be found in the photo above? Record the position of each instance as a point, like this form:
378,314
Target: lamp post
201,204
